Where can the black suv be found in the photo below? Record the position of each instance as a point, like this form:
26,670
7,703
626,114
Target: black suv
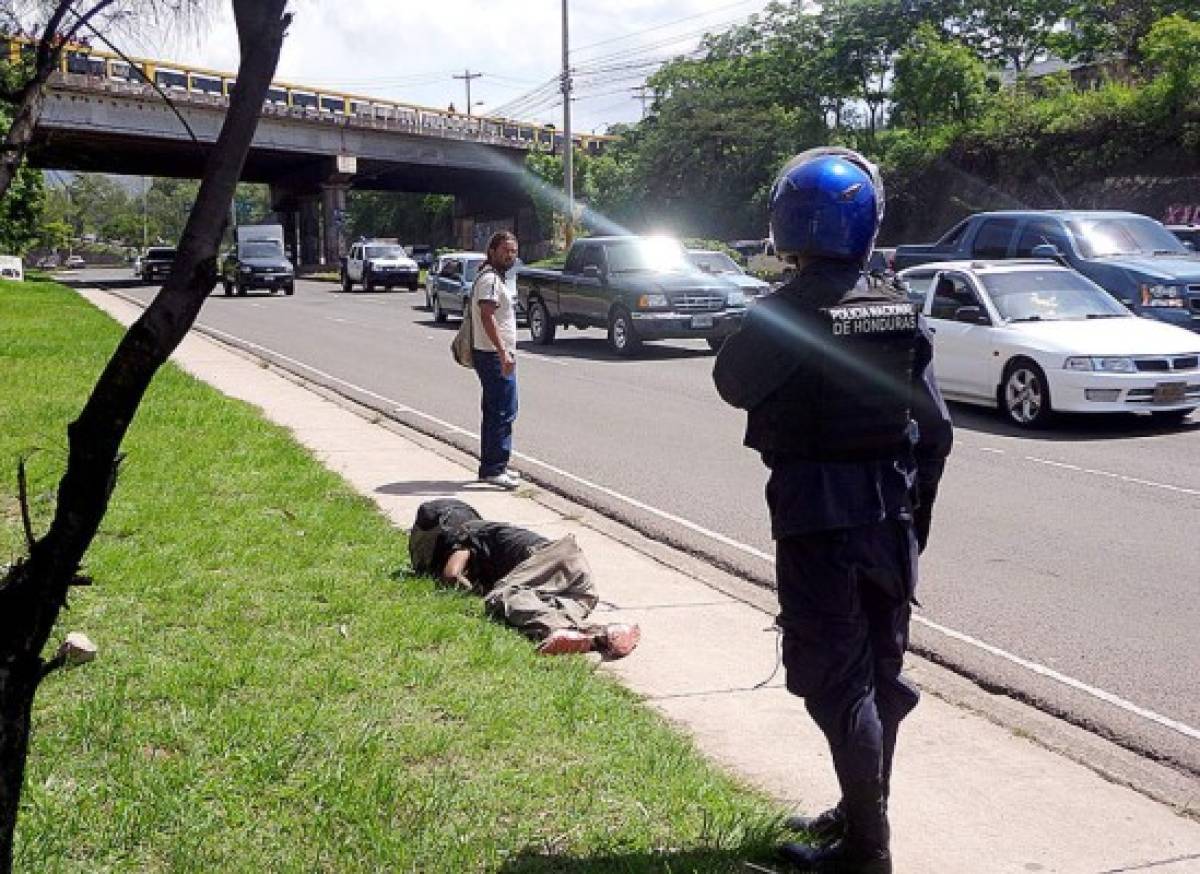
157,263
257,264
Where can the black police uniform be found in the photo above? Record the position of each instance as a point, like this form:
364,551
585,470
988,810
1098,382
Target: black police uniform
836,375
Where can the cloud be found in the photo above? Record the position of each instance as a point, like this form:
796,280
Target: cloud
409,53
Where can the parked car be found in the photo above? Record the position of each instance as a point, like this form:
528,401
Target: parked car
434,279
422,254
638,288
47,262
74,262
722,267
375,263
258,260
761,258
1132,257
157,263
1033,337
451,284
1189,235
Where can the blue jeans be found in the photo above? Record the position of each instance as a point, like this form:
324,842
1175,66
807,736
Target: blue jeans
499,408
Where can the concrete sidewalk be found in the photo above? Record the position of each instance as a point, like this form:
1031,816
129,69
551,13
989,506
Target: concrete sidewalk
968,794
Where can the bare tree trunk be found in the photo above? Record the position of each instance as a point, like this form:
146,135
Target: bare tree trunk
34,590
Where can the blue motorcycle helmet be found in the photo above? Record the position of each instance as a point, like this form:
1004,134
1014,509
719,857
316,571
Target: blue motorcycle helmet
826,203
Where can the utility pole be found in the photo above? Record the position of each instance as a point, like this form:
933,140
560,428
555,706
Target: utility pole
145,217
568,145
641,93
467,76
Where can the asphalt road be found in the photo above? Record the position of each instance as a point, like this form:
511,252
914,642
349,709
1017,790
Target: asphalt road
1062,566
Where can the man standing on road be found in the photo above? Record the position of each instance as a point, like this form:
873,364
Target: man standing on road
836,375
494,335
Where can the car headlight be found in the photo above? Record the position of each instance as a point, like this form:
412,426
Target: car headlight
246,268
736,299
1155,295
1104,364
650,301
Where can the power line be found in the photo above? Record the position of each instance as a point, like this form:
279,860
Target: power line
584,48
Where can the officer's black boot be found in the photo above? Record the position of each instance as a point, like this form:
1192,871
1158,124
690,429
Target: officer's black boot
863,849
823,828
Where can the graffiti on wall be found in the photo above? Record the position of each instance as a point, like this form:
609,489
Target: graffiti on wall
1182,214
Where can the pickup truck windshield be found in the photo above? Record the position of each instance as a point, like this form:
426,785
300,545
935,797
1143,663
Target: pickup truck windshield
716,263
1103,237
1050,295
262,249
160,254
659,256
386,252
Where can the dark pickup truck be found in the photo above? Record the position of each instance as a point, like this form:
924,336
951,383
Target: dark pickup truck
1132,257
638,288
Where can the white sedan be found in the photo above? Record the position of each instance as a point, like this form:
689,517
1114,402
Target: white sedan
1032,336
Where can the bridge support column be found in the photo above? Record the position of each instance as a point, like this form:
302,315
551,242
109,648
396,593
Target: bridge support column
477,218
310,231
333,220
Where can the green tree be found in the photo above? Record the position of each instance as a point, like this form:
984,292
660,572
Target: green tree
1014,33
21,212
937,80
1107,28
411,217
54,235
1172,48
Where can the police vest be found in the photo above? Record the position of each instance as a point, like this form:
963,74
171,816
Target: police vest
850,391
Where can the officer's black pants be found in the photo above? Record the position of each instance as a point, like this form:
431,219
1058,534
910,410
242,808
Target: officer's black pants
844,600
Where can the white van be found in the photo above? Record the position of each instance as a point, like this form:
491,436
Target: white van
11,268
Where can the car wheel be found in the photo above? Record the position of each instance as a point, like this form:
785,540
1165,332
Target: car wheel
241,290
368,283
228,288
1025,394
414,286
541,326
347,284
439,314
289,289
1170,417
622,338
715,343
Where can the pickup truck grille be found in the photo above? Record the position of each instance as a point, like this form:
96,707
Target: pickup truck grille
699,301
1167,365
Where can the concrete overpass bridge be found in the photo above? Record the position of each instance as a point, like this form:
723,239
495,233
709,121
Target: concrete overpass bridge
311,146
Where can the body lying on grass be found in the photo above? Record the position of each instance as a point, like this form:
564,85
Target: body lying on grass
540,587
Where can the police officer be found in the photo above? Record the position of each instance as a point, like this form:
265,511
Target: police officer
835,372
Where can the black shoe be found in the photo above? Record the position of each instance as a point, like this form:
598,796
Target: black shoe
839,857
822,828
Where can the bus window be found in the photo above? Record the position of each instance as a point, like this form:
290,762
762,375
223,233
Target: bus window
171,79
304,99
206,84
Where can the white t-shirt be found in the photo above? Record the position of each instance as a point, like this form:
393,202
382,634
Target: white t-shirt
489,286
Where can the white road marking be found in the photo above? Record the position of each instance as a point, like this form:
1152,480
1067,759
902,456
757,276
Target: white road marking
1052,674
1110,475
1034,667
992,450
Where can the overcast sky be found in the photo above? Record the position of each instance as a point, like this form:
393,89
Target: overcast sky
383,48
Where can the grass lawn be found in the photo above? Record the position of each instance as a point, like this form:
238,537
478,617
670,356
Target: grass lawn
275,691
